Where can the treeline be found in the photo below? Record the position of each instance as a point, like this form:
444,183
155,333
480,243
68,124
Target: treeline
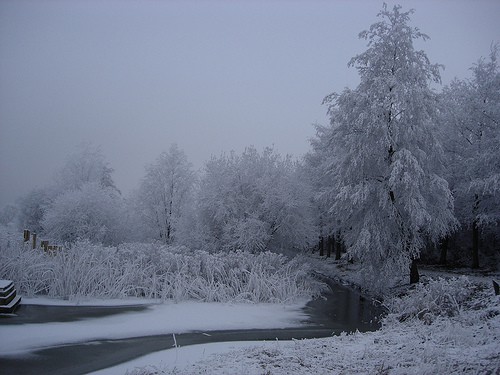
253,201
400,172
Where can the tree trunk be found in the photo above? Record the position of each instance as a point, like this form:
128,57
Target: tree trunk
329,246
444,250
475,234
414,275
496,287
475,244
338,247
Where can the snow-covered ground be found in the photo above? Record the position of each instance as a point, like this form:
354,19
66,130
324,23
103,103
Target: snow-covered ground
181,358
166,318
443,326
445,347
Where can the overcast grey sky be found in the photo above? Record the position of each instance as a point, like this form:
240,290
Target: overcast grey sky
212,76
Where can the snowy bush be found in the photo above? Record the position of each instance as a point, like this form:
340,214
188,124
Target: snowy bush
28,268
438,297
155,271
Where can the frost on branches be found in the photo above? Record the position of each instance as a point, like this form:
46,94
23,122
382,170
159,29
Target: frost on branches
164,197
471,135
82,203
388,191
254,202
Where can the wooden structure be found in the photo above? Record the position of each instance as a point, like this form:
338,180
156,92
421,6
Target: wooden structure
43,244
9,300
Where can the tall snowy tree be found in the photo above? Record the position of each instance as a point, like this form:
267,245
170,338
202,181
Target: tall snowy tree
471,113
389,190
320,166
165,194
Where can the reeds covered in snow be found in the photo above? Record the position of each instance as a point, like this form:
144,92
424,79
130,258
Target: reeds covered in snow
155,271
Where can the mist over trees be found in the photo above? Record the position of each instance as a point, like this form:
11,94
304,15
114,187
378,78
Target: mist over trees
86,166
82,203
31,209
400,169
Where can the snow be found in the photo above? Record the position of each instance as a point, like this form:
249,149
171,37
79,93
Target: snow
444,325
445,347
178,359
417,348
457,338
157,319
5,283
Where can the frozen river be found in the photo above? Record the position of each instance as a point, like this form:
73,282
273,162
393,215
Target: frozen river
340,309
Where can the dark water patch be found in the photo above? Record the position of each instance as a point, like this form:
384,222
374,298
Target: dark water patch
344,308
50,314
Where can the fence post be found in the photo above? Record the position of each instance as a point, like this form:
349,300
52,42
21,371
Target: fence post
34,240
27,235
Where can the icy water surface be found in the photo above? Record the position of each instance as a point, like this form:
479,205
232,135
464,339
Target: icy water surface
339,309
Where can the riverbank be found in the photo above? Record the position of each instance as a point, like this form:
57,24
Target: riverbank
446,324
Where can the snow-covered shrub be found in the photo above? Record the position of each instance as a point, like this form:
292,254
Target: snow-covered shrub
437,297
29,268
155,271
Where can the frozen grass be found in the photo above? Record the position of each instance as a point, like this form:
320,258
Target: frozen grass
155,271
446,326
434,298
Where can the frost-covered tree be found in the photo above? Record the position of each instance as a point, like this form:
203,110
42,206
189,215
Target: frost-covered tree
91,212
471,115
389,190
165,196
32,207
254,202
320,167
87,165
84,202
8,214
